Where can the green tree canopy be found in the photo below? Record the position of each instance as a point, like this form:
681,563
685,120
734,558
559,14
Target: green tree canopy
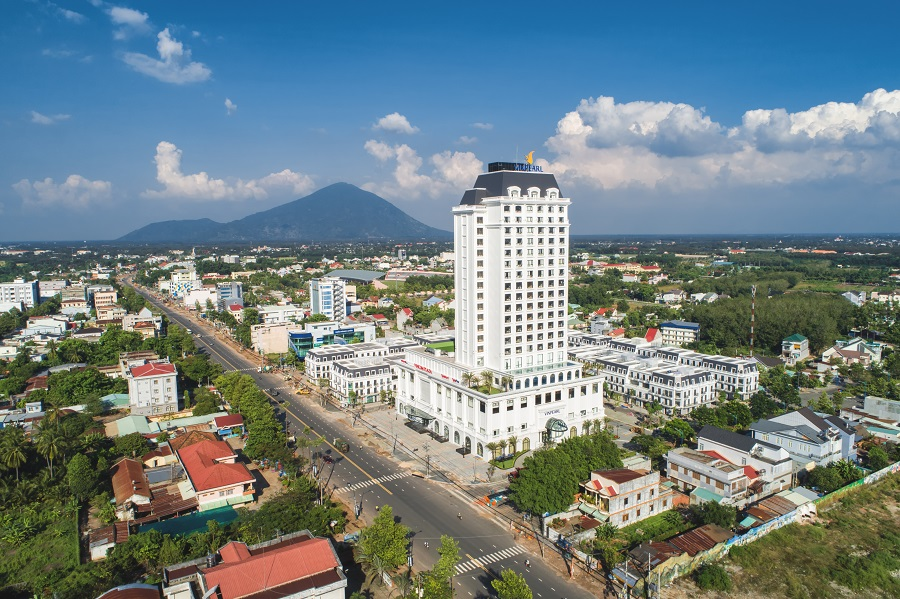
511,585
385,539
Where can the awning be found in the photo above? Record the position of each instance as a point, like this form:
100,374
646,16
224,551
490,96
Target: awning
418,415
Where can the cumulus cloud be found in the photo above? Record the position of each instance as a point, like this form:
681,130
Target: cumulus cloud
75,192
451,171
230,107
485,126
395,123
677,146
43,119
201,187
128,21
466,140
174,64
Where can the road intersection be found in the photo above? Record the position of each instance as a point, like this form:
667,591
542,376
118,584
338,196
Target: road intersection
369,478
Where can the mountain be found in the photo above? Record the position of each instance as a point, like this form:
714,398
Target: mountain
339,212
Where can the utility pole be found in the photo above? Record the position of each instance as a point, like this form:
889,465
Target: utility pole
752,315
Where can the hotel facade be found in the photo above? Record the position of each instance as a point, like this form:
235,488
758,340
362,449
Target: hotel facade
511,237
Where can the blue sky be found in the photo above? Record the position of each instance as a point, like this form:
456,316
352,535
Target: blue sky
657,118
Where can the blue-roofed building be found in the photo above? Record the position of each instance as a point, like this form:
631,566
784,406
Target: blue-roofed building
434,301
676,333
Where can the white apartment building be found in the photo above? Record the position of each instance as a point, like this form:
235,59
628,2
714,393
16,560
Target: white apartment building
281,314
676,333
736,377
144,322
319,360
360,380
511,234
50,288
678,389
28,293
328,296
152,388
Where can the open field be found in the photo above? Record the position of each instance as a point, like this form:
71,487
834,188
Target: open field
853,550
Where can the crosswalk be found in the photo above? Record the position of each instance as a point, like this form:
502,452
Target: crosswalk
485,560
375,481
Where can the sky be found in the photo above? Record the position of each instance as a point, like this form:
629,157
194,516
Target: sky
656,117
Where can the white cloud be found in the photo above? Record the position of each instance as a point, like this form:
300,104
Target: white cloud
71,15
451,171
174,64
201,187
75,192
195,33
677,146
395,123
466,140
129,22
43,119
485,126
230,107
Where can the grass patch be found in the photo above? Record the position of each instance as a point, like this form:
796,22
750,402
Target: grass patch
660,527
856,546
508,463
447,346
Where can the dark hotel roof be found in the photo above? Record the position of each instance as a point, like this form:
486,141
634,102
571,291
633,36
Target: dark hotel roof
494,184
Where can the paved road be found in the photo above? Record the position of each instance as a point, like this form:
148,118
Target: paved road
428,508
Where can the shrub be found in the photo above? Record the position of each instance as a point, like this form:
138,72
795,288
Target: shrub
713,577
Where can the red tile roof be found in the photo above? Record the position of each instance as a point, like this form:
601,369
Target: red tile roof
229,421
407,311
379,317
271,569
750,473
152,369
651,334
201,463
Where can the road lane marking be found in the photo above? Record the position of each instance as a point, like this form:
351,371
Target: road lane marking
300,420
483,561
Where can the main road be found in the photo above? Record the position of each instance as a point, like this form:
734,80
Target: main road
428,508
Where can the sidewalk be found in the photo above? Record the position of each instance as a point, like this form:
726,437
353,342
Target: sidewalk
437,457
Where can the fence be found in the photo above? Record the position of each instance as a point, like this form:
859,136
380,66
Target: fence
682,565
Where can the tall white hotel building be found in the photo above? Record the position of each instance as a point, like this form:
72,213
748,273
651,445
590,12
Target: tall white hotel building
511,234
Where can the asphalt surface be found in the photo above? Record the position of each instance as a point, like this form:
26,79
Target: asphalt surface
428,508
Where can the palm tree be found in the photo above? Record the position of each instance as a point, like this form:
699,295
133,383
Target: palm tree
50,445
512,443
487,379
501,445
12,449
492,447
506,382
469,379
403,584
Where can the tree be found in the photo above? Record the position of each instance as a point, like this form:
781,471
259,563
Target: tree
132,445
437,582
511,585
678,430
512,443
705,416
50,445
762,406
469,379
13,448
385,540
734,414
81,477
711,512
713,577
877,458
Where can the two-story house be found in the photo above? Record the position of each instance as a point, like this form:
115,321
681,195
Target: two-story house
216,476
808,437
771,462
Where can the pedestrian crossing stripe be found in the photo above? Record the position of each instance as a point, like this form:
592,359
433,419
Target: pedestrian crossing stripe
481,562
376,481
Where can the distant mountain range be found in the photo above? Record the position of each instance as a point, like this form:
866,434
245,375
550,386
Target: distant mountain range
339,212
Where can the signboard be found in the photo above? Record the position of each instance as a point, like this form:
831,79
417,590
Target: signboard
344,331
